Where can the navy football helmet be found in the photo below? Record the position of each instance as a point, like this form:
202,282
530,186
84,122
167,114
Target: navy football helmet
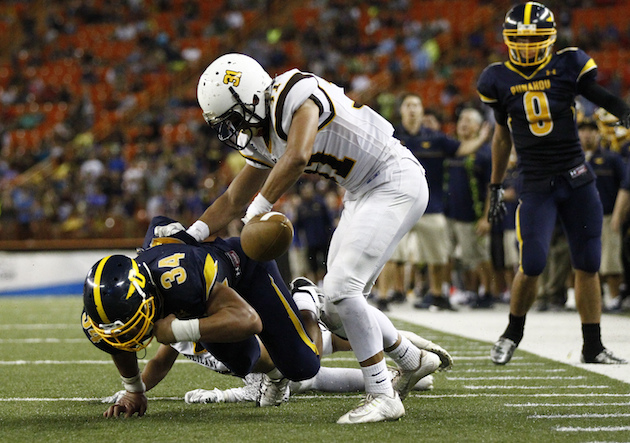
529,31
121,302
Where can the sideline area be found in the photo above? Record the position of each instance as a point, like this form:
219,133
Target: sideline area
553,335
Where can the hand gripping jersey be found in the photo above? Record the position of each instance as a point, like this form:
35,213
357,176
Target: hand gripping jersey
539,108
351,145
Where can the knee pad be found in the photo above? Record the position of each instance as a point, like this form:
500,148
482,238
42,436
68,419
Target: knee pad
588,256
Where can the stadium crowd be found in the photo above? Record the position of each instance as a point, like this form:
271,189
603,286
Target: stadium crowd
99,125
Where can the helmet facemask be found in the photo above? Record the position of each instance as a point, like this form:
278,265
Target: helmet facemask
240,119
529,49
134,335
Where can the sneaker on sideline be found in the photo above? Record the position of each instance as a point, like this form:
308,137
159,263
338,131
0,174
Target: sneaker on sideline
502,351
605,357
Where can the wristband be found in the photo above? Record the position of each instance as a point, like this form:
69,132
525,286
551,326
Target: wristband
186,330
259,205
134,384
198,230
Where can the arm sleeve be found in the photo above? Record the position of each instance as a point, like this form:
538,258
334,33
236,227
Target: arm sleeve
601,96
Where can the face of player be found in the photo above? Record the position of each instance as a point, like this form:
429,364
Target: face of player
530,53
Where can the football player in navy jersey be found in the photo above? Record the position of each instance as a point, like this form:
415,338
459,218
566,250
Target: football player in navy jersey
177,290
533,99
298,122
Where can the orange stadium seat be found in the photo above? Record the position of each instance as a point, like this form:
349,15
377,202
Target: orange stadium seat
304,16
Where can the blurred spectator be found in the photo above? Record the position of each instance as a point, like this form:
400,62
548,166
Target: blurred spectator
314,225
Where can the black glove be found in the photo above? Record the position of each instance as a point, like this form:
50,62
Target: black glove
625,120
497,206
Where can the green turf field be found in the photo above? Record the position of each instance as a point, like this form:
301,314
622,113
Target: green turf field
53,378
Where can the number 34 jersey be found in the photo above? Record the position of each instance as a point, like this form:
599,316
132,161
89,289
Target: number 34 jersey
539,108
352,143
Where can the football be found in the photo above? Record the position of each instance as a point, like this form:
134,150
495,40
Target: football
267,236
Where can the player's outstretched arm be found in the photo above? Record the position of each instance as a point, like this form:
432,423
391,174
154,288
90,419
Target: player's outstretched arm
134,401
160,365
231,203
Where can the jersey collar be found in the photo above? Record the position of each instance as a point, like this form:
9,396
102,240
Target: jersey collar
511,67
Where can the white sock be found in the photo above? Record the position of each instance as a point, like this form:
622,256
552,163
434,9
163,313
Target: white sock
377,379
406,355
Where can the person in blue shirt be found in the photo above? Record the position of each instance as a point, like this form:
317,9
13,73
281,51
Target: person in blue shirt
609,169
533,99
467,183
314,224
432,147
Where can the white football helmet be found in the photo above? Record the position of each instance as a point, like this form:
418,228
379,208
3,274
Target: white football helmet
233,93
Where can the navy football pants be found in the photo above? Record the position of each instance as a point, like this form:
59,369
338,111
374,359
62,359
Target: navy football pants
581,214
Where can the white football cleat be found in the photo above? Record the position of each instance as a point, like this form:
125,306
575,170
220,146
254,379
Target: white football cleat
375,408
303,287
407,379
424,384
273,392
422,343
204,396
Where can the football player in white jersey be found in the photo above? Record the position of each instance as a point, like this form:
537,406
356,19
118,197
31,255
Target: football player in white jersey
299,122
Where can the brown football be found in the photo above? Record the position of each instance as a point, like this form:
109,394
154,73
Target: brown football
267,236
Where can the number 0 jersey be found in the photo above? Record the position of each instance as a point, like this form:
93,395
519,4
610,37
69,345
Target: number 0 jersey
539,108
352,142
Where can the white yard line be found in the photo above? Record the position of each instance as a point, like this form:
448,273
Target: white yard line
565,416
562,405
592,429
553,335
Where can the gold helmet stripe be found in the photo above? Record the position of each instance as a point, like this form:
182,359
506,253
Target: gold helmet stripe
527,14
97,290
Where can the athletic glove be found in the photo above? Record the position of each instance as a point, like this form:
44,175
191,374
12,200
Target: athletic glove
497,206
114,398
168,230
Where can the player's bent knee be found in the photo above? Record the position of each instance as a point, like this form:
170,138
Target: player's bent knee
533,269
308,368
